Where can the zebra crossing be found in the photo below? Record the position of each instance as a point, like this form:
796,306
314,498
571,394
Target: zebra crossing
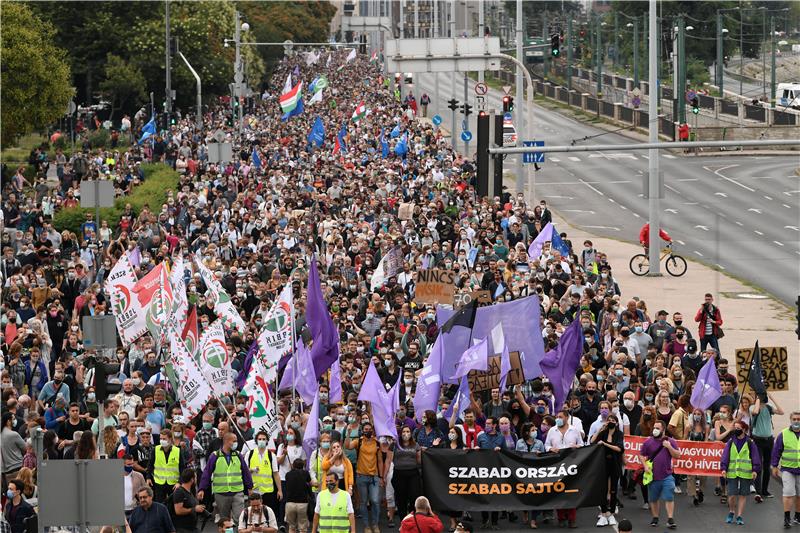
612,156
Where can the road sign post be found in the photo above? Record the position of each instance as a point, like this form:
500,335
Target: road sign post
533,157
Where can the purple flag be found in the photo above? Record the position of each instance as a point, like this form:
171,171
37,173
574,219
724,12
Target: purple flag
248,362
505,367
135,257
707,389
521,329
335,385
535,249
475,357
372,388
461,397
560,364
325,349
311,434
306,383
429,383
384,403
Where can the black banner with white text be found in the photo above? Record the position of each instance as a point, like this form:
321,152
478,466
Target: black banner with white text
485,480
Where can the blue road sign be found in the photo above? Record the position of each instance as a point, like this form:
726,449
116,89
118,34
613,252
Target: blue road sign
507,116
533,157
466,136
436,120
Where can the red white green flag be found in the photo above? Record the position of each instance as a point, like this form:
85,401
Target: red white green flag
359,112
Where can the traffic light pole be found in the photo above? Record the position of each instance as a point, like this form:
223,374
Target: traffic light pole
773,86
599,61
720,57
520,181
168,64
636,52
466,112
569,53
653,190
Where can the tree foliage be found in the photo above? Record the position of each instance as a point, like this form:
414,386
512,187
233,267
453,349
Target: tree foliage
36,77
124,85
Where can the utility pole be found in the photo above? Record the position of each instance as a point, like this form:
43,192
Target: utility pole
454,129
720,75
636,52
741,52
616,37
772,80
569,52
546,38
238,76
436,34
599,52
481,32
653,189
168,99
763,52
680,89
520,183
416,19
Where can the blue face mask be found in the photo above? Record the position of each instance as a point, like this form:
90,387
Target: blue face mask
10,494
325,445
290,437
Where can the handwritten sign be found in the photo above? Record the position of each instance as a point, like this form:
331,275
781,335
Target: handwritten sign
774,361
435,286
463,298
482,381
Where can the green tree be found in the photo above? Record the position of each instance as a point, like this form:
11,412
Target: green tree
36,76
124,85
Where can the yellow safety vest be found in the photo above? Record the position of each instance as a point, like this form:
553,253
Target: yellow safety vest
333,517
262,479
167,471
227,477
318,470
790,458
739,463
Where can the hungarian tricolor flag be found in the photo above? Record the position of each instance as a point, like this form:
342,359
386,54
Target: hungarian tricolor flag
359,112
289,99
190,335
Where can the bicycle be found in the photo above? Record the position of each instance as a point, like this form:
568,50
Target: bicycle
676,265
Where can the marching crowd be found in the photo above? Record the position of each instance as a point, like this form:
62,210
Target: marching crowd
256,227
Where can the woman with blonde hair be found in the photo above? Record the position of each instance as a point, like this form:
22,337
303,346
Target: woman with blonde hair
110,441
664,407
698,432
31,492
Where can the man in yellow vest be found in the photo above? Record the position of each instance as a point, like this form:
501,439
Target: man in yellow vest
228,477
166,464
741,463
334,510
266,479
786,467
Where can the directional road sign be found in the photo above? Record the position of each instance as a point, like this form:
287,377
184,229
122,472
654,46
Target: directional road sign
466,136
436,120
533,157
481,89
507,116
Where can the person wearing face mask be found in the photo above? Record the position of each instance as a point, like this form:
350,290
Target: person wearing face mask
561,437
698,432
610,437
228,477
266,478
785,465
334,509
656,455
18,511
297,487
740,464
169,459
134,482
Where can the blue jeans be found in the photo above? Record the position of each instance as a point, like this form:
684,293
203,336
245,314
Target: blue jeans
368,490
709,340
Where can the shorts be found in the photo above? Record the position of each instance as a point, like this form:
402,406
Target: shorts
791,484
738,486
663,489
296,516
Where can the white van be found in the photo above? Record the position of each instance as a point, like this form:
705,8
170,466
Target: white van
788,95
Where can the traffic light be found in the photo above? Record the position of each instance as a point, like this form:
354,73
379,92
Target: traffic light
695,105
452,104
555,44
466,109
508,103
173,47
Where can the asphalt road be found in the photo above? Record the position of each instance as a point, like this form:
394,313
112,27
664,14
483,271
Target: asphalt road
738,213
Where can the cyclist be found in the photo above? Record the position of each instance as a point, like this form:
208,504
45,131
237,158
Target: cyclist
644,236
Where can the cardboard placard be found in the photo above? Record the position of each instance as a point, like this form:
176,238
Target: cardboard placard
463,298
405,211
483,381
434,286
774,362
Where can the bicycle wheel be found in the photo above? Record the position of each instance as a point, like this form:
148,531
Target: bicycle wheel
676,265
640,264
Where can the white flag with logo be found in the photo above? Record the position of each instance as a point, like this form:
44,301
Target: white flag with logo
389,266
180,304
194,391
275,339
351,56
260,403
130,316
214,360
223,307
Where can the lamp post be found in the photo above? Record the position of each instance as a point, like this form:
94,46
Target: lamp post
238,67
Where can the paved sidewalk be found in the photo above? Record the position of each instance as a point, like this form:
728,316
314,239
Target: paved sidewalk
748,314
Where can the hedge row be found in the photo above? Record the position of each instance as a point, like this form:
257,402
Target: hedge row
159,179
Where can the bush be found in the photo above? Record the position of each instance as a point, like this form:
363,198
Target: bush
159,179
62,142
100,138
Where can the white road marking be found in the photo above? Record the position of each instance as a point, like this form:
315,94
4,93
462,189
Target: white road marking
595,189
673,189
573,158
721,215
669,156
789,193
577,211
792,227
762,177
680,242
602,227
698,253
612,200
787,206
704,228
718,173
623,207
767,197
673,211
722,194
689,203
757,232
636,215
554,196
614,156
754,210
689,179
719,266
555,160
738,223
778,243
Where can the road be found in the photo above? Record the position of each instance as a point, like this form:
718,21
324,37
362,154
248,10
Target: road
740,214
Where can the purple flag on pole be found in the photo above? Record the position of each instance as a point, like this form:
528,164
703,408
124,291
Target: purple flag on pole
462,398
372,388
325,349
429,383
306,383
335,385
535,249
311,436
707,389
384,403
135,257
475,357
560,364
248,361
505,367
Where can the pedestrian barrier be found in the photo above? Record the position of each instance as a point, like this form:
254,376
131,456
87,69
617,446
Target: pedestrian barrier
753,112
607,109
591,104
729,108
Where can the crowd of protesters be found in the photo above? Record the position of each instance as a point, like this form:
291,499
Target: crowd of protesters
257,227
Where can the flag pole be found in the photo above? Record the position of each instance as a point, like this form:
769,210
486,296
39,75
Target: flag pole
294,362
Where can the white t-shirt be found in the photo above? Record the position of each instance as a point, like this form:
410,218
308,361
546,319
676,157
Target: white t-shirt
334,497
265,518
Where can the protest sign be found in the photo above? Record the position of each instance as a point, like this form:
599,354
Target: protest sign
461,299
482,381
435,286
405,211
698,458
774,361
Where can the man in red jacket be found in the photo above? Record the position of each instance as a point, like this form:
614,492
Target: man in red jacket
710,323
422,520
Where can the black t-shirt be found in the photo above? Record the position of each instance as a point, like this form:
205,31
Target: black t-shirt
187,521
66,430
297,486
